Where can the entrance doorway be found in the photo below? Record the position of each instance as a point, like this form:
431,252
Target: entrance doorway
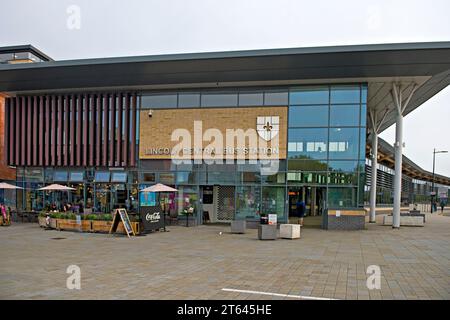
218,203
314,198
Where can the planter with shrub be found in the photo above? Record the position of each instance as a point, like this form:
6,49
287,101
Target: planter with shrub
89,222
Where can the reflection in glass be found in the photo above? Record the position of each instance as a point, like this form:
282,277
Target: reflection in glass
276,98
308,116
344,115
219,100
310,143
159,101
309,95
307,165
189,100
251,99
342,197
345,94
248,202
273,201
344,143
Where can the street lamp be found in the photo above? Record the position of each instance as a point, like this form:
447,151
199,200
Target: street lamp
432,182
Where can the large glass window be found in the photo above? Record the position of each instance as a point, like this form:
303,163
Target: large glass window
342,197
248,202
309,95
219,100
60,176
119,177
345,94
102,176
344,116
276,98
308,116
76,176
185,201
307,165
189,100
159,101
308,143
251,99
362,146
344,143
186,177
363,115
273,200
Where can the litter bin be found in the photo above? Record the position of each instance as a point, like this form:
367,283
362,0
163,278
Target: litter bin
264,219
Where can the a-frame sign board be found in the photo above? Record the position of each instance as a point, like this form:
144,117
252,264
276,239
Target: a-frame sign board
122,215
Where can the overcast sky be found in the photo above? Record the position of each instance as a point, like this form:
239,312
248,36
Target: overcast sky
145,27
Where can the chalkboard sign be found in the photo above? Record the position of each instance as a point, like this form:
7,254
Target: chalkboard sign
152,218
122,215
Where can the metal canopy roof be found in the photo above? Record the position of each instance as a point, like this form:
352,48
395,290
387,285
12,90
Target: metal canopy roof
425,64
386,157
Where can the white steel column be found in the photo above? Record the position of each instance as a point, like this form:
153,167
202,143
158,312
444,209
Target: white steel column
373,179
400,106
376,125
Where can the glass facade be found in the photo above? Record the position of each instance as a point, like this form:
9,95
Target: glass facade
326,149
327,139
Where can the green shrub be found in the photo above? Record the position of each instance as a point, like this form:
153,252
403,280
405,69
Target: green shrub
106,217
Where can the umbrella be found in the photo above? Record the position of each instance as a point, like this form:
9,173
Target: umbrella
56,187
159,187
4,185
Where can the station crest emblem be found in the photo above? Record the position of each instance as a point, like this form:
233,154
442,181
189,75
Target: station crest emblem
268,127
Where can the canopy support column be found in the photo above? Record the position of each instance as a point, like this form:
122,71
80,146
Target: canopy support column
375,128
400,108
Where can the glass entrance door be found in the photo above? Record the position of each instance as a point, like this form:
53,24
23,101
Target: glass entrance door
314,199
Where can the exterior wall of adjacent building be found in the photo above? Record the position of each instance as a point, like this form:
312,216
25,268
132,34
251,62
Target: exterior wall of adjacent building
6,173
413,190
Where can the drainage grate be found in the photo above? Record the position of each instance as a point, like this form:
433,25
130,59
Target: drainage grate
58,238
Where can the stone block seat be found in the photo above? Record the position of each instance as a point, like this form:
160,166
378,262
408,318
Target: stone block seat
290,231
406,221
267,232
238,226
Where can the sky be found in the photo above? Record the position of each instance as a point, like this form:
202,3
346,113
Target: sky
109,28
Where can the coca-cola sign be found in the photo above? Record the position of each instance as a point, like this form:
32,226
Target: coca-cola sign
152,218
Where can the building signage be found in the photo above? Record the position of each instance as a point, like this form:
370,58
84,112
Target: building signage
218,133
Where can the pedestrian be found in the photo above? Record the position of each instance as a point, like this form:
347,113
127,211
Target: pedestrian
301,208
3,213
442,206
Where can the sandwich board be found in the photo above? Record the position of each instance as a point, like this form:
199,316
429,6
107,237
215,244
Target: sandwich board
122,215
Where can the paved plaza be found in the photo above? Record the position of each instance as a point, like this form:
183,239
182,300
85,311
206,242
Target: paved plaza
198,263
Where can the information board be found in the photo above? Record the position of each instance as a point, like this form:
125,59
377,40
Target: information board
122,215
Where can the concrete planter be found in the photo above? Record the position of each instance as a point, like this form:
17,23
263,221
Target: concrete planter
405,221
238,226
41,221
267,232
290,231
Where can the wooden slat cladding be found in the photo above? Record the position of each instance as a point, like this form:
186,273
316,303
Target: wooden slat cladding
82,130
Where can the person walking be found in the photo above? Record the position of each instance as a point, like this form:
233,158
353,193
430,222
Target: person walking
301,208
442,206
